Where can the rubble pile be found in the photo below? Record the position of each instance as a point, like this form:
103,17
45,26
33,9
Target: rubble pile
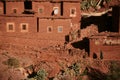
89,31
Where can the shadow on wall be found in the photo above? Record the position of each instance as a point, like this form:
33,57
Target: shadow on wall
84,44
103,22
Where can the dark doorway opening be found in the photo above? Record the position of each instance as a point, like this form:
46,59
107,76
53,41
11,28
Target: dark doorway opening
28,7
27,4
94,56
84,44
67,38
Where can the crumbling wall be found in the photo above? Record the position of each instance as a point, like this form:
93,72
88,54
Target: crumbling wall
89,31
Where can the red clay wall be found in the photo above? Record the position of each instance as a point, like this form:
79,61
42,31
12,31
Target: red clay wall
47,8
17,5
45,37
29,40
54,34
41,38
1,7
109,51
66,10
17,21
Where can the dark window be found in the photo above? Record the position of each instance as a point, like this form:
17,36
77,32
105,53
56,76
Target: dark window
10,27
67,38
72,11
14,10
94,56
24,27
49,29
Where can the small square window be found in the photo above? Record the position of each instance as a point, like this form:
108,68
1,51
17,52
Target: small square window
40,10
14,10
73,12
60,29
10,27
24,27
49,29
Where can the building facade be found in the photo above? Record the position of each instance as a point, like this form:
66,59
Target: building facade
105,46
49,22
53,18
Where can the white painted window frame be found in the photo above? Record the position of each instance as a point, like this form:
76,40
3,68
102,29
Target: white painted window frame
10,23
21,27
60,27
73,15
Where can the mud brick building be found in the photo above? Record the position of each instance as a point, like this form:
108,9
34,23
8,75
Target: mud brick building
49,22
48,18
105,46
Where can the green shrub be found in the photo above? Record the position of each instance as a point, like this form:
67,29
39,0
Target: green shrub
41,75
76,68
85,5
12,62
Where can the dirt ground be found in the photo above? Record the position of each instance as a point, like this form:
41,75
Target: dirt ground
50,58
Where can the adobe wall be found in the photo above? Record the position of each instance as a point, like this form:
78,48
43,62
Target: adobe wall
1,7
35,40
66,11
17,5
17,21
108,51
2,22
32,37
47,8
54,23
44,37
